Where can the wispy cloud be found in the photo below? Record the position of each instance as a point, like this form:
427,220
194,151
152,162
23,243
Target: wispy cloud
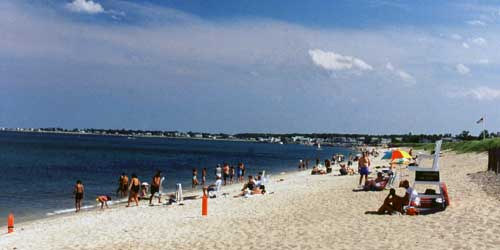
462,69
479,93
85,6
405,76
332,61
480,41
476,23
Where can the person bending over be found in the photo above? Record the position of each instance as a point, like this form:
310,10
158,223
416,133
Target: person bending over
103,199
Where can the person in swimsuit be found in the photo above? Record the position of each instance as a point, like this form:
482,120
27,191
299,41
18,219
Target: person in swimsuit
243,170
134,188
203,176
364,167
78,192
194,181
123,185
240,172
225,172
155,187
103,199
231,174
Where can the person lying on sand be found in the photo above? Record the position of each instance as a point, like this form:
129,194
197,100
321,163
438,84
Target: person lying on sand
316,170
376,184
103,199
394,203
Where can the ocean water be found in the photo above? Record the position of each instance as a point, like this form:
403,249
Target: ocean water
38,171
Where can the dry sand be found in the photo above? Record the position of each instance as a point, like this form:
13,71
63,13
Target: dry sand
303,212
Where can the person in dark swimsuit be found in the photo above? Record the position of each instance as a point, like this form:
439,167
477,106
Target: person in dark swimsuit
155,187
134,188
78,192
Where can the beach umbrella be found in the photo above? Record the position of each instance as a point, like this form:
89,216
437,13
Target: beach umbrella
396,154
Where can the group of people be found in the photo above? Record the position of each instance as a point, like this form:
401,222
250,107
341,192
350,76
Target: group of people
132,187
227,173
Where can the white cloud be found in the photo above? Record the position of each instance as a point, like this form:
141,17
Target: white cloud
483,61
333,61
389,66
405,76
479,41
476,22
479,93
85,6
462,69
456,37
465,45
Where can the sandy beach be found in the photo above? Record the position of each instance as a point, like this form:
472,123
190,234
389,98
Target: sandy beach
301,212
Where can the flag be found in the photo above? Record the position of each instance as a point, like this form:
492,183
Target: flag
480,120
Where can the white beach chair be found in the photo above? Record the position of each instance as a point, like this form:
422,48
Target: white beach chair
215,193
178,194
430,176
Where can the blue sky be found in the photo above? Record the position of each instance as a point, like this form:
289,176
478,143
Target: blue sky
251,66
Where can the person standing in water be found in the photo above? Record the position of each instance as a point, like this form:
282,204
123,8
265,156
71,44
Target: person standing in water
122,185
78,192
134,187
155,187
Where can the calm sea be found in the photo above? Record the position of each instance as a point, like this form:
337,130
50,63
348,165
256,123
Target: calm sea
38,170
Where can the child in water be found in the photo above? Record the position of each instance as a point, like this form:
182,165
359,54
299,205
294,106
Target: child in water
103,199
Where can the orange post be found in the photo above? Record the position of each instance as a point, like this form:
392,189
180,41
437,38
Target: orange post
10,223
204,205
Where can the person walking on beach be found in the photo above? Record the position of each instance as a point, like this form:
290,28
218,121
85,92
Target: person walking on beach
122,185
134,188
203,176
225,172
155,187
194,181
78,192
364,167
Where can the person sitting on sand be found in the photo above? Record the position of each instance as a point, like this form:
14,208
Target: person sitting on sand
376,184
103,199
155,187
258,190
394,203
78,192
134,188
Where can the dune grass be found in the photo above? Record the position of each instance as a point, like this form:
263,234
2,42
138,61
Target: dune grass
475,146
